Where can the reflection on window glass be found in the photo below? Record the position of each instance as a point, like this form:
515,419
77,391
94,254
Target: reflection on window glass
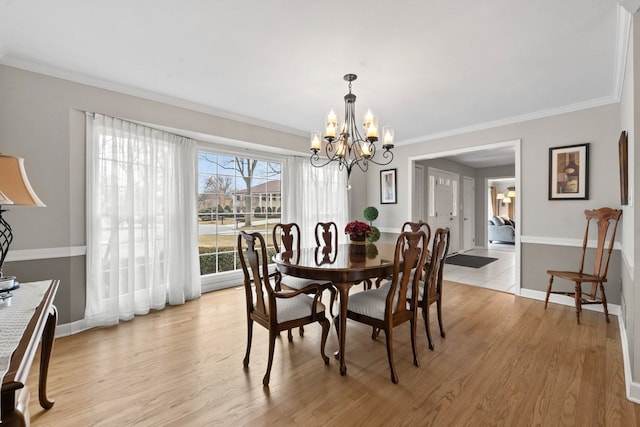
234,193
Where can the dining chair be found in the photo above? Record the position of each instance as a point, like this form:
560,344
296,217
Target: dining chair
326,234
412,227
415,226
286,238
430,286
387,306
275,310
604,218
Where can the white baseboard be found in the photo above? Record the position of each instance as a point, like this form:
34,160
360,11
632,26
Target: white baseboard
567,300
72,328
633,388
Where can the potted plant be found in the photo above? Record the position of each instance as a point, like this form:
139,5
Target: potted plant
358,231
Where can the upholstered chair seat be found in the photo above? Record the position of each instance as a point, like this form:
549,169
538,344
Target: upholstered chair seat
297,307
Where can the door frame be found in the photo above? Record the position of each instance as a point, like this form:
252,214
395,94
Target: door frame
468,214
516,144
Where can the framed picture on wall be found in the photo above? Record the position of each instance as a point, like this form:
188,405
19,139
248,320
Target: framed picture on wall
388,186
569,172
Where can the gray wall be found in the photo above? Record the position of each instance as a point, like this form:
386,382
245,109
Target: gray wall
543,222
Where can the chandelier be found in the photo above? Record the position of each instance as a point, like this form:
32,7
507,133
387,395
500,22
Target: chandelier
348,147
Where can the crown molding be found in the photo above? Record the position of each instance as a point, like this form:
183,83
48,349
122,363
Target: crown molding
144,94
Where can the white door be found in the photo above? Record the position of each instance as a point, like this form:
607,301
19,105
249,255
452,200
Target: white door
443,205
468,213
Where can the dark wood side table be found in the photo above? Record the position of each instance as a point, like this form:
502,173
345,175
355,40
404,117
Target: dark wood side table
15,396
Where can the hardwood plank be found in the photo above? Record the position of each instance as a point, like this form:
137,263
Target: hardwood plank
505,361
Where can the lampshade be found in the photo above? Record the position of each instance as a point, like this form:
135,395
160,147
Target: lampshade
506,200
4,200
500,196
14,183
511,193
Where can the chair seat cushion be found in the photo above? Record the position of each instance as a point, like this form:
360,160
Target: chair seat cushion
296,307
387,285
420,291
371,303
297,283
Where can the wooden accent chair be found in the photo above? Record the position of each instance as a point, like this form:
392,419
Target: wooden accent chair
387,307
286,238
431,285
604,217
275,310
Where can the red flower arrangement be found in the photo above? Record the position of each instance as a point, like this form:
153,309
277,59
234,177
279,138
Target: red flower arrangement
358,229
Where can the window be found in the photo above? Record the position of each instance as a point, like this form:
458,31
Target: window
234,193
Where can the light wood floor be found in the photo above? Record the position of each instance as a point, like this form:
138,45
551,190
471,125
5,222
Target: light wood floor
505,361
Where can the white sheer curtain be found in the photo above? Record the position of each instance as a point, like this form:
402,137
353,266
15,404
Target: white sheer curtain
313,195
142,242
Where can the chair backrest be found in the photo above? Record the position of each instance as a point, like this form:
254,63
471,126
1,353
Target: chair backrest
327,235
415,226
409,255
252,252
604,217
286,237
439,250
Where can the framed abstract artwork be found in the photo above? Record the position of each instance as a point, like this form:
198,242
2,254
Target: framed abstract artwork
569,172
388,186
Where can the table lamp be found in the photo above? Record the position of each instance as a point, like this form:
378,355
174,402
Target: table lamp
16,190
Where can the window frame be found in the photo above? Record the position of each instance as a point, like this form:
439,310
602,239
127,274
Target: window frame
226,279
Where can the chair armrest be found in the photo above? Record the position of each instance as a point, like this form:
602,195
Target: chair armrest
313,287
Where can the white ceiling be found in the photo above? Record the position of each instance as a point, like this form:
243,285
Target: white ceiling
430,68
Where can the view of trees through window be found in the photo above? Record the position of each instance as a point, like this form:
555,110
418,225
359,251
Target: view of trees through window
234,193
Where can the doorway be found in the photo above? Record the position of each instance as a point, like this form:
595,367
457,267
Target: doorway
477,158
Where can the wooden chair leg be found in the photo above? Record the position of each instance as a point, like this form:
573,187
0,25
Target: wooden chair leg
388,333
439,309
245,362
272,346
604,302
301,331
289,335
326,325
578,298
413,341
546,300
336,324
333,298
425,316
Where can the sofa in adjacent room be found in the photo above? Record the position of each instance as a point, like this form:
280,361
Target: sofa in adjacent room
502,230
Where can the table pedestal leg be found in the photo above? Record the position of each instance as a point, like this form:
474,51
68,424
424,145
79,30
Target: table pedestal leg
343,289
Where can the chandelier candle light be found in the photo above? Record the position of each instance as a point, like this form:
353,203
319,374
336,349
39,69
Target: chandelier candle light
349,148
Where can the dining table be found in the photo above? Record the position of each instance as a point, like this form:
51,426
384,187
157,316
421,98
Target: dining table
344,266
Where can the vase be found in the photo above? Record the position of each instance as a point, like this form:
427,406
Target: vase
357,237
